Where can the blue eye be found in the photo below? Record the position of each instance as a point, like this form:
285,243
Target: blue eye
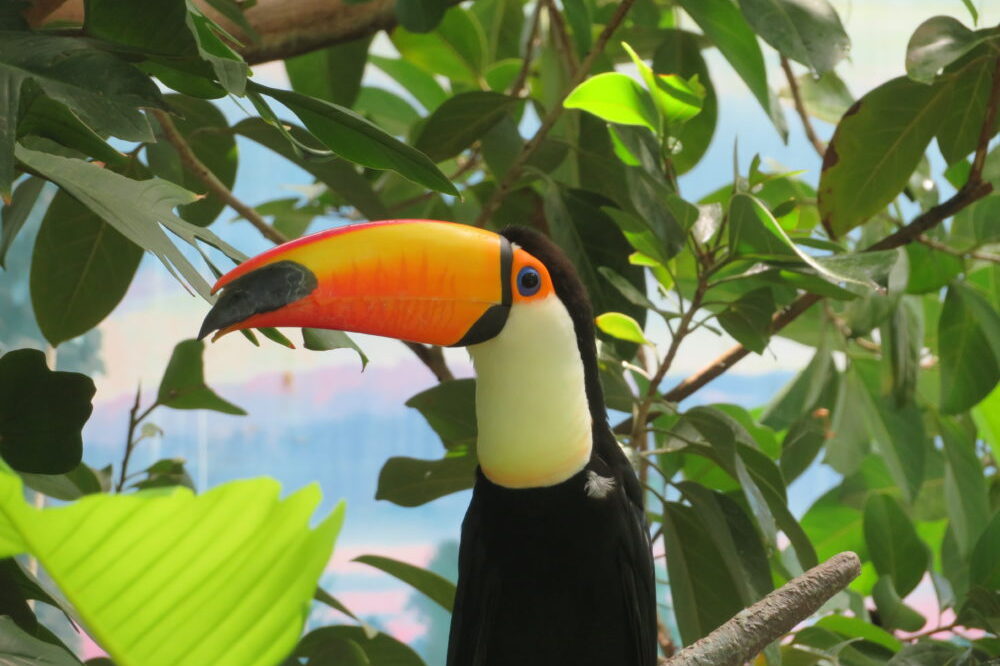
528,281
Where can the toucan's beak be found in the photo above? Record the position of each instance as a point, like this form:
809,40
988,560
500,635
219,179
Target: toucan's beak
417,280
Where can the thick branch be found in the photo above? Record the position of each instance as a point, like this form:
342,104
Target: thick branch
752,629
214,185
514,172
800,107
286,27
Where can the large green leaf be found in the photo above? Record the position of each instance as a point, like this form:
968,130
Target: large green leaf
183,384
808,31
420,15
321,339
962,123
165,577
936,43
207,132
748,319
893,613
412,482
616,98
80,269
450,409
137,209
725,26
41,413
970,363
826,98
333,73
15,214
965,490
800,395
460,121
876,147
354,138
893,543
680,53
984,566
104,92
438,589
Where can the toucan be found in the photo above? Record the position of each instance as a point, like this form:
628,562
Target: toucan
555,566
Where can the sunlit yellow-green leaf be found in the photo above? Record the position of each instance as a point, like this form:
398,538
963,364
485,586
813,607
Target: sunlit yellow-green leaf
621,326
167,577
616,98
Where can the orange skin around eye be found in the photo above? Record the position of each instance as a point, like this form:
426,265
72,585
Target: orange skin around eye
522,259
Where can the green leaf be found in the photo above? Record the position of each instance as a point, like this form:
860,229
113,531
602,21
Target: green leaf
680,53
207,132
728,30
18,648
969,358
80,269
807,31
621,326
965,490
387,110
220,578
893,544
339,175
412,482
332,74
800,395
984,566
974,225
930,269
450,409
135,208
354,138
748,319
183,384
803,442
423,86
41,414
987,417
379,650
676,99
318,339
853,627
15,214
826,97
456,49
420,15
935,44
74,484
437,589
460,121
892,612
48,119
876,147
962,123
616,98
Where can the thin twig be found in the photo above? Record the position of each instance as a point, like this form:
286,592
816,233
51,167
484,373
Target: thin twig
800,107
433,357
931,632
529,52
563,42
947,249
514,172
214,185
752,629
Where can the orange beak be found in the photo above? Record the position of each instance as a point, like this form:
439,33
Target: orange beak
416,280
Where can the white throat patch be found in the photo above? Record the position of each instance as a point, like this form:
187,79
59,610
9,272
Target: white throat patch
531,404
597,486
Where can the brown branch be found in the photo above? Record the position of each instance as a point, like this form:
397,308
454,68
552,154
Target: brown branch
754,628
514,172
529,52
433,358
209,180
563,42
800,107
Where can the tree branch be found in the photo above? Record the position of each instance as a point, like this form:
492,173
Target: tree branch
752,629
214,185
800,107
433,357
514,172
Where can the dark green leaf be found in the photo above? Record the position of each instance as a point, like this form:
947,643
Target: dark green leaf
199,83
233,11
892,612
41,414
438,589
208,134
853,627
455,49
802,443
876,147
975,225
333,74
165,473
725,26
748,319
183,385
460,121
893,544
965,490
381,650
318,339
969,359
18,648
156,28
800,395
412,482
962,123
420,15
680,53
503,23
808,31
67,487
80,269
450,409
387,110
15,214
936,43
930,269
48,119
356,139
984,567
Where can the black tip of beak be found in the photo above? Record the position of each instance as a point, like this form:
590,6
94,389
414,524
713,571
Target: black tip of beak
264,290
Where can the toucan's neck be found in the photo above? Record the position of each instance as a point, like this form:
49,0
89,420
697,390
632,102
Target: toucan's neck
535,425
